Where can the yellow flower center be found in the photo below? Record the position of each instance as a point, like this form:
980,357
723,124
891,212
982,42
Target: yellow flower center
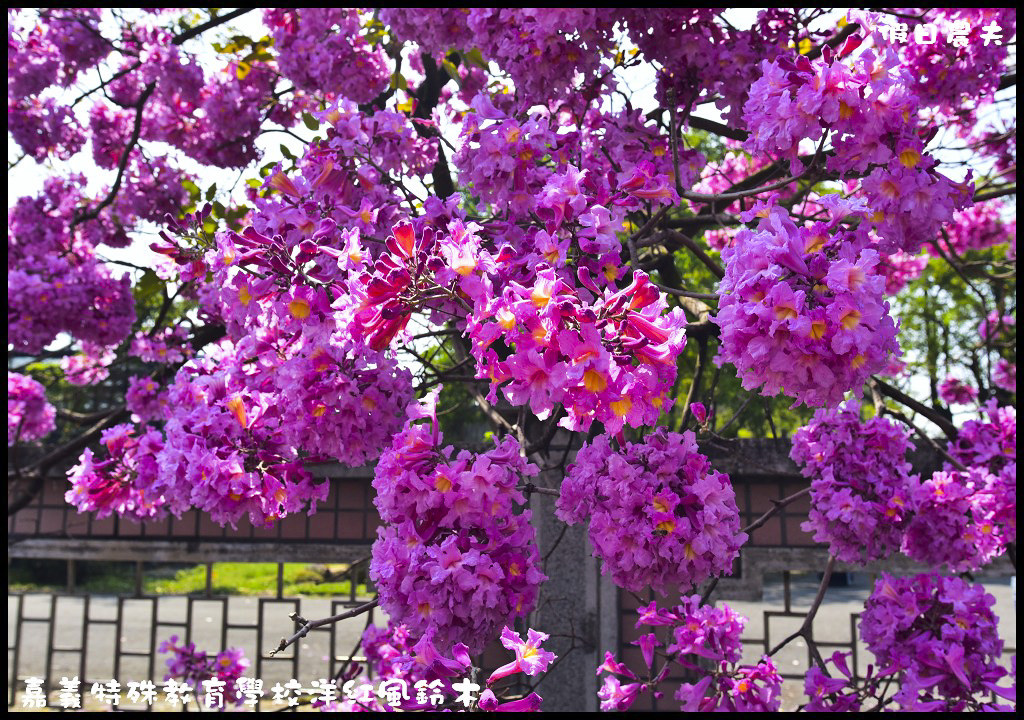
622,407
594,381
299,308
910,158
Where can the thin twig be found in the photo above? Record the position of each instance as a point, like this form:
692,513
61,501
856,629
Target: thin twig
308,625
947,427
806,627
94,212
776,506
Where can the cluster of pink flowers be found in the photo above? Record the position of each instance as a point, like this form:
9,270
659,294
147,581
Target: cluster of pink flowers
323,50
605,355
1004,375
121,483
659,515
43,128
613,162
500,154
990,445
979,226
167,346
866,504
956,519
54,51
954,78
703,639
861,483
55,282
89,367
701,59
29,415
870,107
546,51
145,399
435,30
224,453
956,392
201,672
457,558
213,118
417,271
801,310
940,634
338,397
345,401
345,177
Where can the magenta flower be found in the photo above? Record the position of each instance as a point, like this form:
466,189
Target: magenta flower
29,415
861,485
489,703
530,658
939,634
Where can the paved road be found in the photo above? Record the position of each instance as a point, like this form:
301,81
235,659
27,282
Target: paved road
831,624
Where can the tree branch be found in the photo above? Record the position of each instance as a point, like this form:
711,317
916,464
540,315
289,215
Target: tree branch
211,23
308,625
947,427
93,213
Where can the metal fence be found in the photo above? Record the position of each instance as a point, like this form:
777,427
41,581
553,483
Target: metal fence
97,639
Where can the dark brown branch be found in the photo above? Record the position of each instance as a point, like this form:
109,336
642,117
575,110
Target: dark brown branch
698,375
686,241
717,128
529,488
934,445
211,23
995,193
776,506
944,424
140,104
806,627
308,625
834,41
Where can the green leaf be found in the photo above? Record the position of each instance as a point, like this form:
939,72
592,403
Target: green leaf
286,152
211,192
310,122
475,57
148,285
192,189
242,70
449,66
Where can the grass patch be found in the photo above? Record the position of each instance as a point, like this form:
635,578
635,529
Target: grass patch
254,579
